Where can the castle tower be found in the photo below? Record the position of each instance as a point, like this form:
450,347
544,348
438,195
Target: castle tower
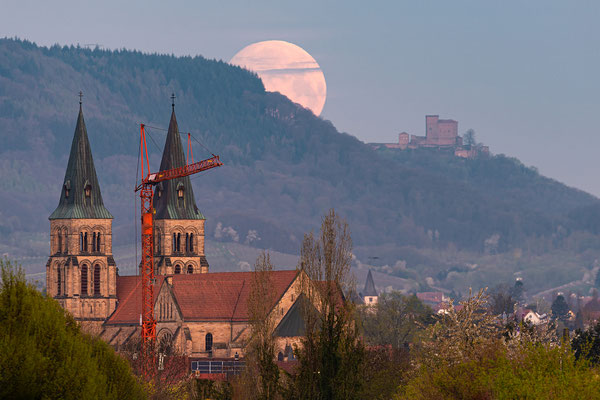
178,224
81,271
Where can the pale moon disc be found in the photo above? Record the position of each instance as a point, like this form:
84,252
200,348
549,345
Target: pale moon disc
287,69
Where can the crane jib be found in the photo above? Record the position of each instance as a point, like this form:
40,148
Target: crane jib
186,170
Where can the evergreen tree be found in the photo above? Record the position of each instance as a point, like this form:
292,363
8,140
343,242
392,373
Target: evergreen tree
586,344
560,308
43,353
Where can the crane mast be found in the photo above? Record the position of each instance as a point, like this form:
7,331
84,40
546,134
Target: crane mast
146,189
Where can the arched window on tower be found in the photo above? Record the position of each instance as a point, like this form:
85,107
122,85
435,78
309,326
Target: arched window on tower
85,242
174,242
187,242
177,269
179,242
191,242
81,242
58,281
66,241
158,240
94,241
208,342
98,241
190,269
59,247
96,280
84,280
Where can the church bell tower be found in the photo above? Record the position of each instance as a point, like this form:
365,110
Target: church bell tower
178,223
81,271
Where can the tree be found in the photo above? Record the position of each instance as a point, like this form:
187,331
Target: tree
501,300
560,308
396,320
469,138
586,344
44,354
260,355
517,291
331,357
389,328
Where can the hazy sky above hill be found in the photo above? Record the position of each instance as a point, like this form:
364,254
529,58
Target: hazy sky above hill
523,74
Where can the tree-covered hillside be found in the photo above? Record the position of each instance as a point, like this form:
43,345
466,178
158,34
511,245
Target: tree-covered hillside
284,167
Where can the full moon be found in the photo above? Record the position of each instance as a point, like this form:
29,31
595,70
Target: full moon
287,69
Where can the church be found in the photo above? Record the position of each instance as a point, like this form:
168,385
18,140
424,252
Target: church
201,314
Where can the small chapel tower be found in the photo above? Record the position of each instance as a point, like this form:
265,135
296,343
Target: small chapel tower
81,271
178,223
369,293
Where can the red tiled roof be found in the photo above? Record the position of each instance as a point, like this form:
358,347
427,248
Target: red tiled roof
207,297
129,297
432,297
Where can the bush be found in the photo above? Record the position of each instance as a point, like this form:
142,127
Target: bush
542,372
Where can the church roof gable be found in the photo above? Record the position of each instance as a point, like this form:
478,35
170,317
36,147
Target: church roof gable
292,324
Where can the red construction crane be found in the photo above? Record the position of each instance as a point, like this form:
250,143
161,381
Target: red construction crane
146,194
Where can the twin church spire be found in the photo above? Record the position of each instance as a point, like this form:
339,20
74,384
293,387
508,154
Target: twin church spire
81,271
80,196
174,199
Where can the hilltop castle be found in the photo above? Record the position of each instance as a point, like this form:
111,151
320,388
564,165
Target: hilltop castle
204,315
439,134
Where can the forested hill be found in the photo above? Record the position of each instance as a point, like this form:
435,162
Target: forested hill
284,167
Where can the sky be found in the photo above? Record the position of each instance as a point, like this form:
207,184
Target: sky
522,74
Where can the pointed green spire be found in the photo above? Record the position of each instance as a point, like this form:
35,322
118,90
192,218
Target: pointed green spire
174,199
80,196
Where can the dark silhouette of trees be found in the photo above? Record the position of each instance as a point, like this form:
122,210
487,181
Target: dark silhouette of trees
560,308
469,138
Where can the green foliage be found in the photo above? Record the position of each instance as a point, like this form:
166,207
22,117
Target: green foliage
469,354
560,308
205,389
43,354
385,370
586,344
396,320
540,372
